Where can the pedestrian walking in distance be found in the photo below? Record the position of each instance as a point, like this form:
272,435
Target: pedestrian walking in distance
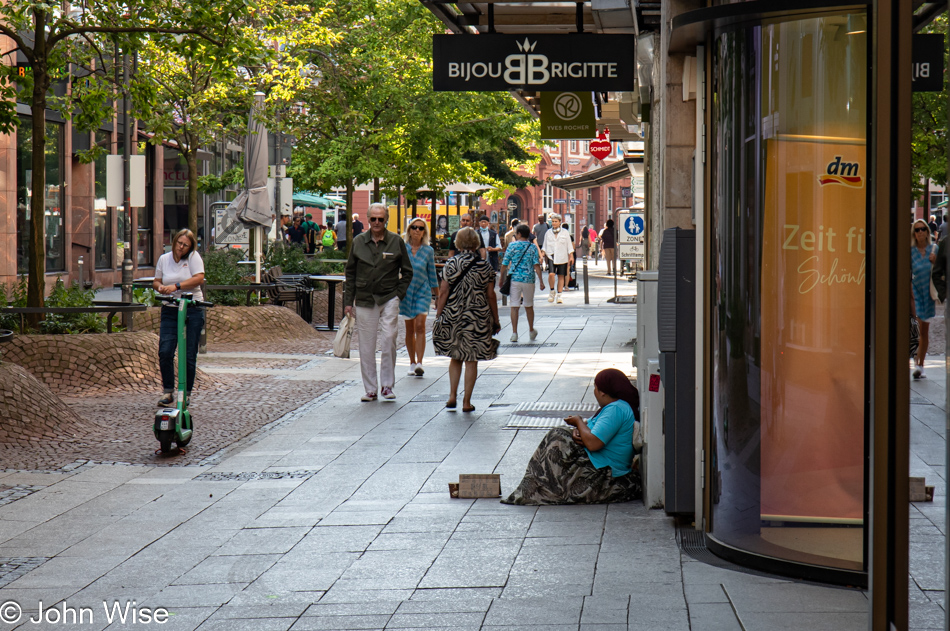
466,315
415,307
378,274
607,244
559,251
522,264
923,253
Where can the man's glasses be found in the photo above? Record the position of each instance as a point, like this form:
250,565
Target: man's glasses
921,229
376,219
417,227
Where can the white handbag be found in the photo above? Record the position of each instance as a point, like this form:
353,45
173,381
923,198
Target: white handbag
341,344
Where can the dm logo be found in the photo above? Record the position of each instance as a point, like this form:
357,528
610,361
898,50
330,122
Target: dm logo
844,173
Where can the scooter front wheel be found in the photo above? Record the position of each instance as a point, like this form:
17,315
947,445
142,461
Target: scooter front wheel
165,440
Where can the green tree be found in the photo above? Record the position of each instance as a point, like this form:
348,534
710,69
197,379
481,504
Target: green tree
373,114
207,90
929,129
59,45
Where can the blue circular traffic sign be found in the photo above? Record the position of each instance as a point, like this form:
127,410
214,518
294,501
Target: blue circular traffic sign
634,225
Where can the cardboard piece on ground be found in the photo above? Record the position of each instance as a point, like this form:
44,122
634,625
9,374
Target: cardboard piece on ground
918,490
473,485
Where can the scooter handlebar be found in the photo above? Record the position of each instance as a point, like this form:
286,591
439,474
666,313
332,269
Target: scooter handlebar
172,300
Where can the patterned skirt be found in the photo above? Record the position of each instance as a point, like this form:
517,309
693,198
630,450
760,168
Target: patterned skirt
560,472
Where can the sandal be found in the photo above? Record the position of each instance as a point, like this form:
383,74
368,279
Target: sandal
470,408
450,405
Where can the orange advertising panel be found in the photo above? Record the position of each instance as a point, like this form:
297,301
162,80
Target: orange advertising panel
812,352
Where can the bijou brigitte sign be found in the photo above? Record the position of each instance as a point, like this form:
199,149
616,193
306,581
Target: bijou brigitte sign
486,63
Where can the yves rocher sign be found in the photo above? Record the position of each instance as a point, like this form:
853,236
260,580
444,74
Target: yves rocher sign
575,62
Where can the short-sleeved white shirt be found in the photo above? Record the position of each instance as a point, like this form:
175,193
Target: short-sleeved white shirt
558,247
171,272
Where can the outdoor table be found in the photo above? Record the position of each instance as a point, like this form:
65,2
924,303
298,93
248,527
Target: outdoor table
332,282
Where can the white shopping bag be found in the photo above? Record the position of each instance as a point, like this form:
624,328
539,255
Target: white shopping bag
341,345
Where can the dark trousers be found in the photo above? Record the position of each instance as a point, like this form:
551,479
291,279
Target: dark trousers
168,343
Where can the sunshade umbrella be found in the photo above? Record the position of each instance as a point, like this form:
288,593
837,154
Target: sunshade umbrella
252,206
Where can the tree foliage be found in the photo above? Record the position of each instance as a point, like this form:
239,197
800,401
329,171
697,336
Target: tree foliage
79,47
929,129
207,90
374,115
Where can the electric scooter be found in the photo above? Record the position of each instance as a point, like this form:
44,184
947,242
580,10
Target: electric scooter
176,424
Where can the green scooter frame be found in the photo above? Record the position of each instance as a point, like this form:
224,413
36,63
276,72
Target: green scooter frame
176,424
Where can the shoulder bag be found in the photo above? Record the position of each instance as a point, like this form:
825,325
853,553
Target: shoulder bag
506,286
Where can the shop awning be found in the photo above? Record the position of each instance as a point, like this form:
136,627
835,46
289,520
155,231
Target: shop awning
303,198
595,178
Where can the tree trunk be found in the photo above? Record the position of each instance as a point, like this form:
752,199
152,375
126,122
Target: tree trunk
349,216
191,159
375,190
36,257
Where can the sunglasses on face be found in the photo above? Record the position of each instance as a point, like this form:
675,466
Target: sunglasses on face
417,227
376,220
920,229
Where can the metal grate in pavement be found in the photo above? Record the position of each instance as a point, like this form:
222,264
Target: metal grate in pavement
529,345
916,399
12,568
246,476
541,415
693,543
436,398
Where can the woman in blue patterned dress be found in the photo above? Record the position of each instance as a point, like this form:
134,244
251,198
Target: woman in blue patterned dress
424,286
922,255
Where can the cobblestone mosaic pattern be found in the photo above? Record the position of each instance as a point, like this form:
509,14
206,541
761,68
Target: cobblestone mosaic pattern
117,427
16,492
12,568
235,325
85,364
30,411
243,362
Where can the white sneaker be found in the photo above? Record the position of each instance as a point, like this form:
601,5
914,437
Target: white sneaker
551,297
533,335
559,301
419,370
514,337
918,371
412,370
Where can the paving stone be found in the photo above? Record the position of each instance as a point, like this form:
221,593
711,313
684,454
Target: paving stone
548,611
228,569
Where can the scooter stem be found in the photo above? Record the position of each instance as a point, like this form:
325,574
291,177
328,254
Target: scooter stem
182,352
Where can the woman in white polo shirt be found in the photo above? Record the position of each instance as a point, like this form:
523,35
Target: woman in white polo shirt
180,270
559,251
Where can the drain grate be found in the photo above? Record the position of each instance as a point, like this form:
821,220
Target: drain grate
436,398
12,568
916,399
693,543
543,415
529,345
246,476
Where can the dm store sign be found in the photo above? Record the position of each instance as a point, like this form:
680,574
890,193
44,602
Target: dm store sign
563,63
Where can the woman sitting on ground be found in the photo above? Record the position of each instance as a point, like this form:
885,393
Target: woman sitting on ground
592,463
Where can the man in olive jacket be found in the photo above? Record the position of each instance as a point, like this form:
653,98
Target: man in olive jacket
378,273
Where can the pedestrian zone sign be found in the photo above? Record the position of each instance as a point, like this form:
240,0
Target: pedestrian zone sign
631,229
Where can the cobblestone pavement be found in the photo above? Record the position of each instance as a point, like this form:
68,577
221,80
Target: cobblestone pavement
119,425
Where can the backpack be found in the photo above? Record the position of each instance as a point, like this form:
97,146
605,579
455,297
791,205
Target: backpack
329,238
